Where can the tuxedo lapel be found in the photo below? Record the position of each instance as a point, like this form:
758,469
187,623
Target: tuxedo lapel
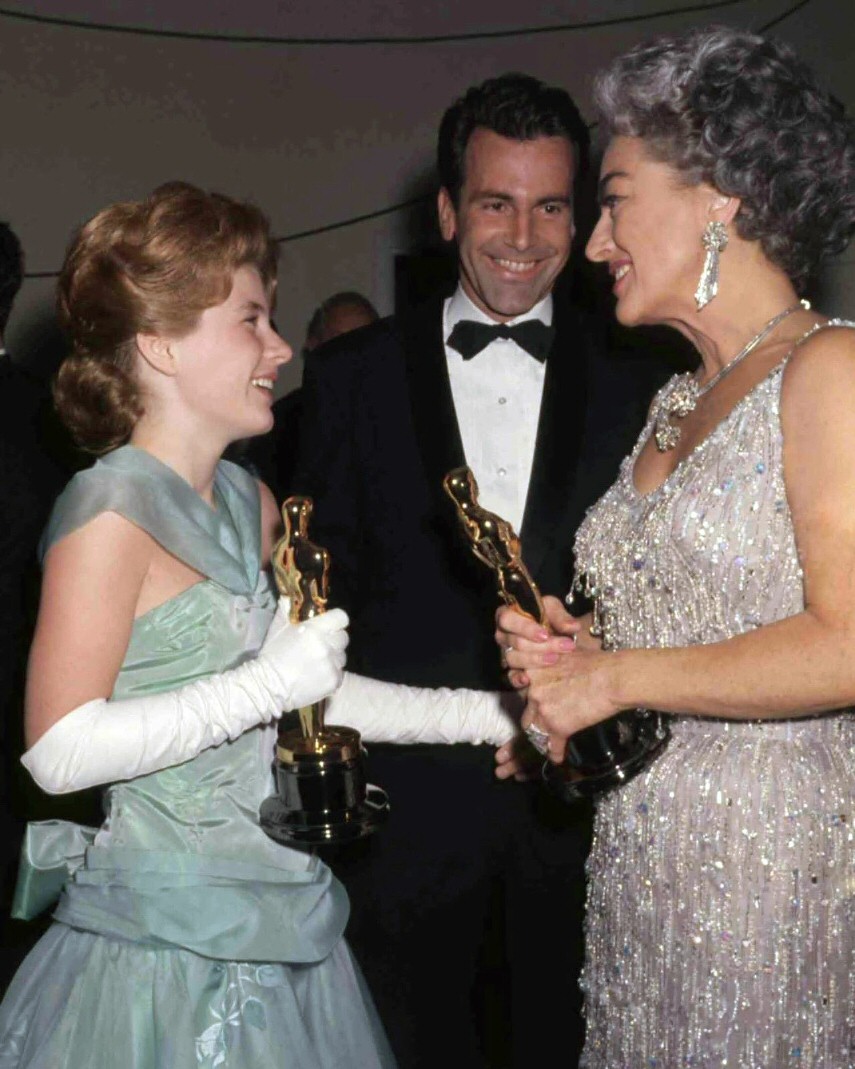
559,431
559,437
431,400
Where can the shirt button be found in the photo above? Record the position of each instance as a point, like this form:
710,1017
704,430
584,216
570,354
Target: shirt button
503,400
503,472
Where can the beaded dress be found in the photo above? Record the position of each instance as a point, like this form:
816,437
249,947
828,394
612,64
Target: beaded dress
721,903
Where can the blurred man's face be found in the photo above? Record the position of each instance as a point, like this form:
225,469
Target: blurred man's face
341,320
344,319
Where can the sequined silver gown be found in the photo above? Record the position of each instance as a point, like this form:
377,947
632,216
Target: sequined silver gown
721,905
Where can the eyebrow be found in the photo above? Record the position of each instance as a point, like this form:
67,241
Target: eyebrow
488,194
604,181
252,306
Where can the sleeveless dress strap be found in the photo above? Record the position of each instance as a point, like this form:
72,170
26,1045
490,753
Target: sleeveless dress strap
817,328
222,543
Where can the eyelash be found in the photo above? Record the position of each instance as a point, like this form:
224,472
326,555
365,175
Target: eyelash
499,205
609,202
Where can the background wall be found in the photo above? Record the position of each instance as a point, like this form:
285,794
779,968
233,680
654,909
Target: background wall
317,133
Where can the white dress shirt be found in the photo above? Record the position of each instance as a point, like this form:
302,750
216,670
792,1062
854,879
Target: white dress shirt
497,397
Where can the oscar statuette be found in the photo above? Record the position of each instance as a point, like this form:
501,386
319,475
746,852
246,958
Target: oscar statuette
599,757
321,792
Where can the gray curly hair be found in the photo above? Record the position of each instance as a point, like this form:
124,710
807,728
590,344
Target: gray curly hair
744,114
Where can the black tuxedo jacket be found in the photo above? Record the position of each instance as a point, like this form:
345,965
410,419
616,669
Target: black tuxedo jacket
379,433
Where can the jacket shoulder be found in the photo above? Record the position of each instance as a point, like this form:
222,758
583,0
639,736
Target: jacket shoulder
356,346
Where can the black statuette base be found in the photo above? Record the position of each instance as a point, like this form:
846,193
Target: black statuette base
322,801
608,755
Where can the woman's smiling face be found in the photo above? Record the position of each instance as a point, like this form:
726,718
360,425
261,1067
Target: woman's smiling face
649,233
227,365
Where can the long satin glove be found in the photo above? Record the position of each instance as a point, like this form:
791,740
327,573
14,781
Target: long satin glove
105,741
394,712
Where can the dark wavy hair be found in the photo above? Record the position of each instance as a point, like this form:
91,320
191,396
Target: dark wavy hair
744,114
515,106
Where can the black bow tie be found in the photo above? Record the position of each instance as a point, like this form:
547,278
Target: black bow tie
469,337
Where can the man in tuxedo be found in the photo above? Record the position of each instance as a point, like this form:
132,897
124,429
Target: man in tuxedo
467,907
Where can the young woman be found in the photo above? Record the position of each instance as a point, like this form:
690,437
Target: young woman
183,935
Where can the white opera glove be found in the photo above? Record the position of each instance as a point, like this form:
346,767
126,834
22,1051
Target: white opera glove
105,741
394,712
317,669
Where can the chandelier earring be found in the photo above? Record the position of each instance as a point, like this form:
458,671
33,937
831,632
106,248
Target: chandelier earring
715,241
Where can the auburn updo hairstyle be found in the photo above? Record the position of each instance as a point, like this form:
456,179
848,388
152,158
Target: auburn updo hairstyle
144,267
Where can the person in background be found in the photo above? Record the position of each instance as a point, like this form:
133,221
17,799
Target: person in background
337,315
273,455
30,479
722,565
182,935
455,901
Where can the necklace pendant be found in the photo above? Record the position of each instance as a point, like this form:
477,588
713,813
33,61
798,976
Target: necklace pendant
683,396
684,393
679,401
665,434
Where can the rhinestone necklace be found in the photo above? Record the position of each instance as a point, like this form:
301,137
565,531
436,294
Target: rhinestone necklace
684,394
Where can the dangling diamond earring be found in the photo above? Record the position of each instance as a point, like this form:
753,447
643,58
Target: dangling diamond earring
715,240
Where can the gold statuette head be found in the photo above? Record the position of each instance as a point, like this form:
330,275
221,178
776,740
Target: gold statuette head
300,567
494,542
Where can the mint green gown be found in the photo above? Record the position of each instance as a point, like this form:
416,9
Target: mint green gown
184,936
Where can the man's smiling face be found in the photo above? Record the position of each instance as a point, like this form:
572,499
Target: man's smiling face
514,220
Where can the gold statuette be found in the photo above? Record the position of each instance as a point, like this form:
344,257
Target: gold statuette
495,543
301,570
321,793
598,757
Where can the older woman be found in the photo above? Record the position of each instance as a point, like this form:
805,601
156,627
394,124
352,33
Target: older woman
183,935
721,913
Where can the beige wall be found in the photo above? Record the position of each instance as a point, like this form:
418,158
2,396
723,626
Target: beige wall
312,134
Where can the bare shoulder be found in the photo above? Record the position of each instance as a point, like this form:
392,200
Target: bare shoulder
822,360
271,521
92,583
819,381
101,565
108,540
817,403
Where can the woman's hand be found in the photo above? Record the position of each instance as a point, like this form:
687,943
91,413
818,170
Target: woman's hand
543,662
570,695
303,663
518,758
537,646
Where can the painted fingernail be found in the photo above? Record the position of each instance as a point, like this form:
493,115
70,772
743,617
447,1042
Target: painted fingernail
566,644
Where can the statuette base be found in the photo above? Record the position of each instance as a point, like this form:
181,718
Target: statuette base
580,778
321,793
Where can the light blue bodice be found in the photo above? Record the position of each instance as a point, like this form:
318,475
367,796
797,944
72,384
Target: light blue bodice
181,859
